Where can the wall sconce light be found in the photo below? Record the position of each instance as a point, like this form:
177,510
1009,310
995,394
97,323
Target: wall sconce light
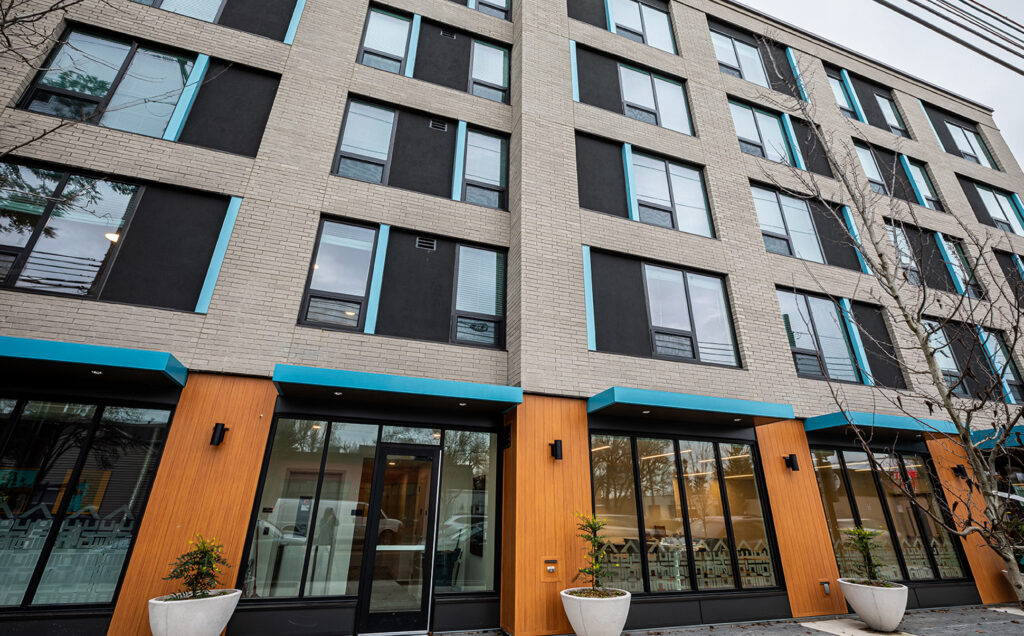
791,462
218,433
556,449
960,471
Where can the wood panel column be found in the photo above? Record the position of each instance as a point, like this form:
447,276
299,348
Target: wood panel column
985,564
198,488
805,546
540,495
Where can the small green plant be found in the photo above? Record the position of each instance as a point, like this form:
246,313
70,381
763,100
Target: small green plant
863,540
198,569
589,528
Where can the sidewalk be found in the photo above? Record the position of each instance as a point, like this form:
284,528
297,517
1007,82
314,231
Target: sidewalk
994,621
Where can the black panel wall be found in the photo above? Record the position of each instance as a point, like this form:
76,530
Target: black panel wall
895,177
834,237
269,18
620,307
885,368
598,79
971,191
165,253
416,289
866,95
812,151
925,248
600,175
423,157
970,357
1013,276
441,59
589,11
231,109
776,64
939,118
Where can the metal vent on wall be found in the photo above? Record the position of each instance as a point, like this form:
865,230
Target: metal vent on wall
439,125
447,34
425,243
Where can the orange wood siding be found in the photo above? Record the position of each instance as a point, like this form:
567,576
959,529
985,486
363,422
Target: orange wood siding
541,524
508,531
986,565
805,546
198,487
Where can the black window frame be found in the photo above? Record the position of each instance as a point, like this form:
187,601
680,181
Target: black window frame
930,193
736,71
787,238
847,112
747,144
955,381
671,211
641,38
817,353
339,154
973,286
156,4
493,10
502,190
911,271
473,82
970,156
308,293
878,187
360,56
896,130
626,104
499,321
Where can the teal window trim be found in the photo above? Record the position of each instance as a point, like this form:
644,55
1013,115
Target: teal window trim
631,199
188,97
1018,206
94,356
471,4
930,124
947,258
217,260
853,333
794,147
852,228
373,298
575,72
1020,265
588,299
414,41
913,184
460,161
609,14
796,73
990,358
852,94
293,25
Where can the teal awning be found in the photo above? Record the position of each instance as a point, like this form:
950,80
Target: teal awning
623,401
29,354
840,419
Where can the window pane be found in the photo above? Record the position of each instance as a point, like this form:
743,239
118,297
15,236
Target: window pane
368,131
984,158
202,9
481,281
943,352
801,229
711,549
655,216
34,471
411,435
362,170
476,331
1000,208
78,238
743,119
711,315
937,537
627,14
105,509
493,94
483,196
769,213
663,516
673,345
387,33
867,161
691,205
62,106
752,549
636,87
750,64
898,238
485,158
777,245
467,518
996,350
339,529
286,508
24,195
835,351
148,93
889,111
920,177
611,460
839,92
490,64
658,31
797,319
86,64
872,517
651,181
838,514
724,51
640,114
666,298
914,550
775,146
383,63
343,313
672,106
342,261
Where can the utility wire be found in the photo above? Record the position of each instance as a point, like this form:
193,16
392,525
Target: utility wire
1010,22
927,8
981,23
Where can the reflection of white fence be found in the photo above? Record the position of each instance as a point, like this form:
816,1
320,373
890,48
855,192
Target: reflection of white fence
668,566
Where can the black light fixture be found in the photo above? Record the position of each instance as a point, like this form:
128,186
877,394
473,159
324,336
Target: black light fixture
218,433
791,462
960,471
556,449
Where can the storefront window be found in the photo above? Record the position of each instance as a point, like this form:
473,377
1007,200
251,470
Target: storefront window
938,539
76,524
712,549
615,501
752,549
838,513
663,516
915,554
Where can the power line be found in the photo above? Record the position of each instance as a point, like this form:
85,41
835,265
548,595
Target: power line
927,8
1010,22
982,23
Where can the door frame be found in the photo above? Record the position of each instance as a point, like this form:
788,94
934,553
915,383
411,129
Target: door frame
364,623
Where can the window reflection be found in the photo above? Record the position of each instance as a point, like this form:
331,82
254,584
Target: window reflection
753,552
615,501
711,547
663,516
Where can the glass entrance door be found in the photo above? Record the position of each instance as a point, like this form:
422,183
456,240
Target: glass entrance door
398,562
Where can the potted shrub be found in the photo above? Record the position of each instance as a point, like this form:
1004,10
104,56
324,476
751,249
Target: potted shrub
594,610
197,609
878,603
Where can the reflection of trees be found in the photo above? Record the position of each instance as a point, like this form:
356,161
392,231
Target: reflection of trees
613,474
300,436
702,496
78,82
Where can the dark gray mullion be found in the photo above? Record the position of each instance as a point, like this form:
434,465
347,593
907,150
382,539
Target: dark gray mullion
888,518
848,486
919,518
108,264
685,511
116,83
645,571
668,177
782,213
19,262
311,527
727,516
817,341
689,312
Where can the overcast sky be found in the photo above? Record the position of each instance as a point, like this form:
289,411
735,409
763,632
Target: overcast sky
869,28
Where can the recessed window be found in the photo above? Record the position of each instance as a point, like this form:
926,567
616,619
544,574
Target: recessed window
924,184
643,23
842,95
1002,364
689,317
739,59
904,254
892,115
365,146
1001,208
670,195
786,225
205,10
761,133
486,170
871,169
970,145
338,282
489,72
654,100
113,83
479,297
943,355
386,41
817,337
496,8
960,267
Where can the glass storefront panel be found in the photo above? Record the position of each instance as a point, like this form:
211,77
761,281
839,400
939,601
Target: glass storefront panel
467,518
711,549
663,516
838,513
872,515
937,537
615,501
753,551
410,435
915,553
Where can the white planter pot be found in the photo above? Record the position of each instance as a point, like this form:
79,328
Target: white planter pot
880,607
596,616
192,617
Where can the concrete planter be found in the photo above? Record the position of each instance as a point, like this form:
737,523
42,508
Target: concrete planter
192,617
880,607
596,616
